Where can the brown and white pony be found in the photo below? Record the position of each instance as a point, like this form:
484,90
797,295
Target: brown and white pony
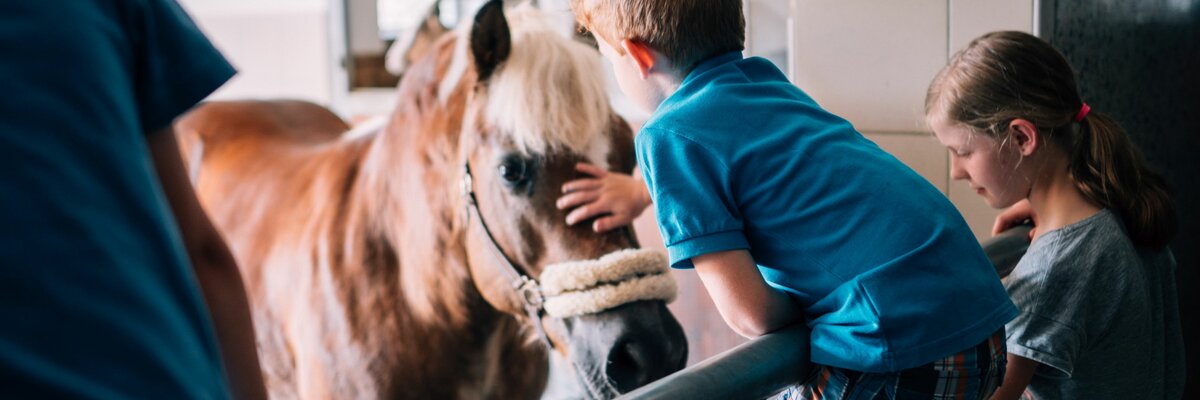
369,277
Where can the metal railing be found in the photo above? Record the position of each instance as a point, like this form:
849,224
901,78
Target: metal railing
766,365
754,369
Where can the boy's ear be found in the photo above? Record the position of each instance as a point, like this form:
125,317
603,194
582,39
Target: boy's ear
1025,136
642,56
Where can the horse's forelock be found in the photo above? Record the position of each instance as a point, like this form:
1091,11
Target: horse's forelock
549,94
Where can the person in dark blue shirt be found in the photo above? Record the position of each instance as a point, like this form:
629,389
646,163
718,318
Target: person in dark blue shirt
113,282
789,215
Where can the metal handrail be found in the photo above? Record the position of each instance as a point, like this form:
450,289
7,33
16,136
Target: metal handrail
754,369
766,365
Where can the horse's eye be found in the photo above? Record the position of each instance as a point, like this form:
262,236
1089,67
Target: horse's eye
514,170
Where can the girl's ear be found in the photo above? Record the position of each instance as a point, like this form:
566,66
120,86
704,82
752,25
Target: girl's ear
1025,136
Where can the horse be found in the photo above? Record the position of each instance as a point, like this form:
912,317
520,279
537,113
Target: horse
403,263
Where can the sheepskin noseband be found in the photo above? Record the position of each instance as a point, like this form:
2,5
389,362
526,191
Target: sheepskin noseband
590,286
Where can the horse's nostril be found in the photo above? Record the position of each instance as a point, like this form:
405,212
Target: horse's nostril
627,347
627,366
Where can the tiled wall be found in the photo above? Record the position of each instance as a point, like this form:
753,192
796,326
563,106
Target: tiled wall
281,48
871,62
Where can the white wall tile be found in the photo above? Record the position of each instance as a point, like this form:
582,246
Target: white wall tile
920,151
281,49
871,61
972,18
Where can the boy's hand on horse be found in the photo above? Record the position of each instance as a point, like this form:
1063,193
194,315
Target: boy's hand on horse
617,199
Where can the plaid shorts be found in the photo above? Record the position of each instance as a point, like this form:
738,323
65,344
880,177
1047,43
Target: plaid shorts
971,374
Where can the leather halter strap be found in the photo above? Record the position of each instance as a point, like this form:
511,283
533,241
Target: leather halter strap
526,287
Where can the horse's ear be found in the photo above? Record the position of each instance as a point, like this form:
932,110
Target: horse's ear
491,41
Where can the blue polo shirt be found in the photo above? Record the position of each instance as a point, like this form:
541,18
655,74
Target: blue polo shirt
886,270
97,297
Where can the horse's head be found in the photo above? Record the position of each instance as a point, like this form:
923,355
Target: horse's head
535,106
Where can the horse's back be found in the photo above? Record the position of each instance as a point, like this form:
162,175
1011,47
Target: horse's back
236,141
253,164
216,123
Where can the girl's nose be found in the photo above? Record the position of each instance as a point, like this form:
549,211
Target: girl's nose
956,168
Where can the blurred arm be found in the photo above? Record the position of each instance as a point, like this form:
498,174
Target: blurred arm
215,269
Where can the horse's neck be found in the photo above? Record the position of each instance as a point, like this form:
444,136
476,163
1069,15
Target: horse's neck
409,174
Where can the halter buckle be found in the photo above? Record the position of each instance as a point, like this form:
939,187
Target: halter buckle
530,292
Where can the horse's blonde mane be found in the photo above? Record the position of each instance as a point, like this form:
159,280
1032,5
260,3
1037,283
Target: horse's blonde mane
550,91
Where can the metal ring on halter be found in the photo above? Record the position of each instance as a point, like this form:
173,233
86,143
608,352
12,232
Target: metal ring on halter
530,292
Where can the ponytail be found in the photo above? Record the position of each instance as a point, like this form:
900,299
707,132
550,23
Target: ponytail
1002,76
1111,172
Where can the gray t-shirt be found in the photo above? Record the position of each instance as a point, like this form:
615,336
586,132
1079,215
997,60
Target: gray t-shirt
1100,315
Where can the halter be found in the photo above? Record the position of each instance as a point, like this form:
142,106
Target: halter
581,287
527,288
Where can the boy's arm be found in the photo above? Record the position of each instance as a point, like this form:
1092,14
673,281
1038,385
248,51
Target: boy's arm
747,303
215,269
1016,378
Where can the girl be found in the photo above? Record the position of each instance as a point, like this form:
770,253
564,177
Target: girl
1099,317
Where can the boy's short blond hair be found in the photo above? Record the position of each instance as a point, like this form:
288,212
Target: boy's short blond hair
685,31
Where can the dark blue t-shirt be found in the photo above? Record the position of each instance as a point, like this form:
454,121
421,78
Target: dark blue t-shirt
97,298
888,273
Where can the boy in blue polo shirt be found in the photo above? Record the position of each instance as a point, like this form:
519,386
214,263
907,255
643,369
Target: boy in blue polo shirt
789,215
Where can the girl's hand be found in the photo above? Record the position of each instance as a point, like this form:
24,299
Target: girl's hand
614,197
1019,213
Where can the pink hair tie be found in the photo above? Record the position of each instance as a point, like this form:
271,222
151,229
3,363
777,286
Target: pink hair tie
1083,112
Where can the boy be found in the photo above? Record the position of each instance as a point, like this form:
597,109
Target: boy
789,215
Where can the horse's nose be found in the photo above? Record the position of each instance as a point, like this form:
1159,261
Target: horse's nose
634,363
648,349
